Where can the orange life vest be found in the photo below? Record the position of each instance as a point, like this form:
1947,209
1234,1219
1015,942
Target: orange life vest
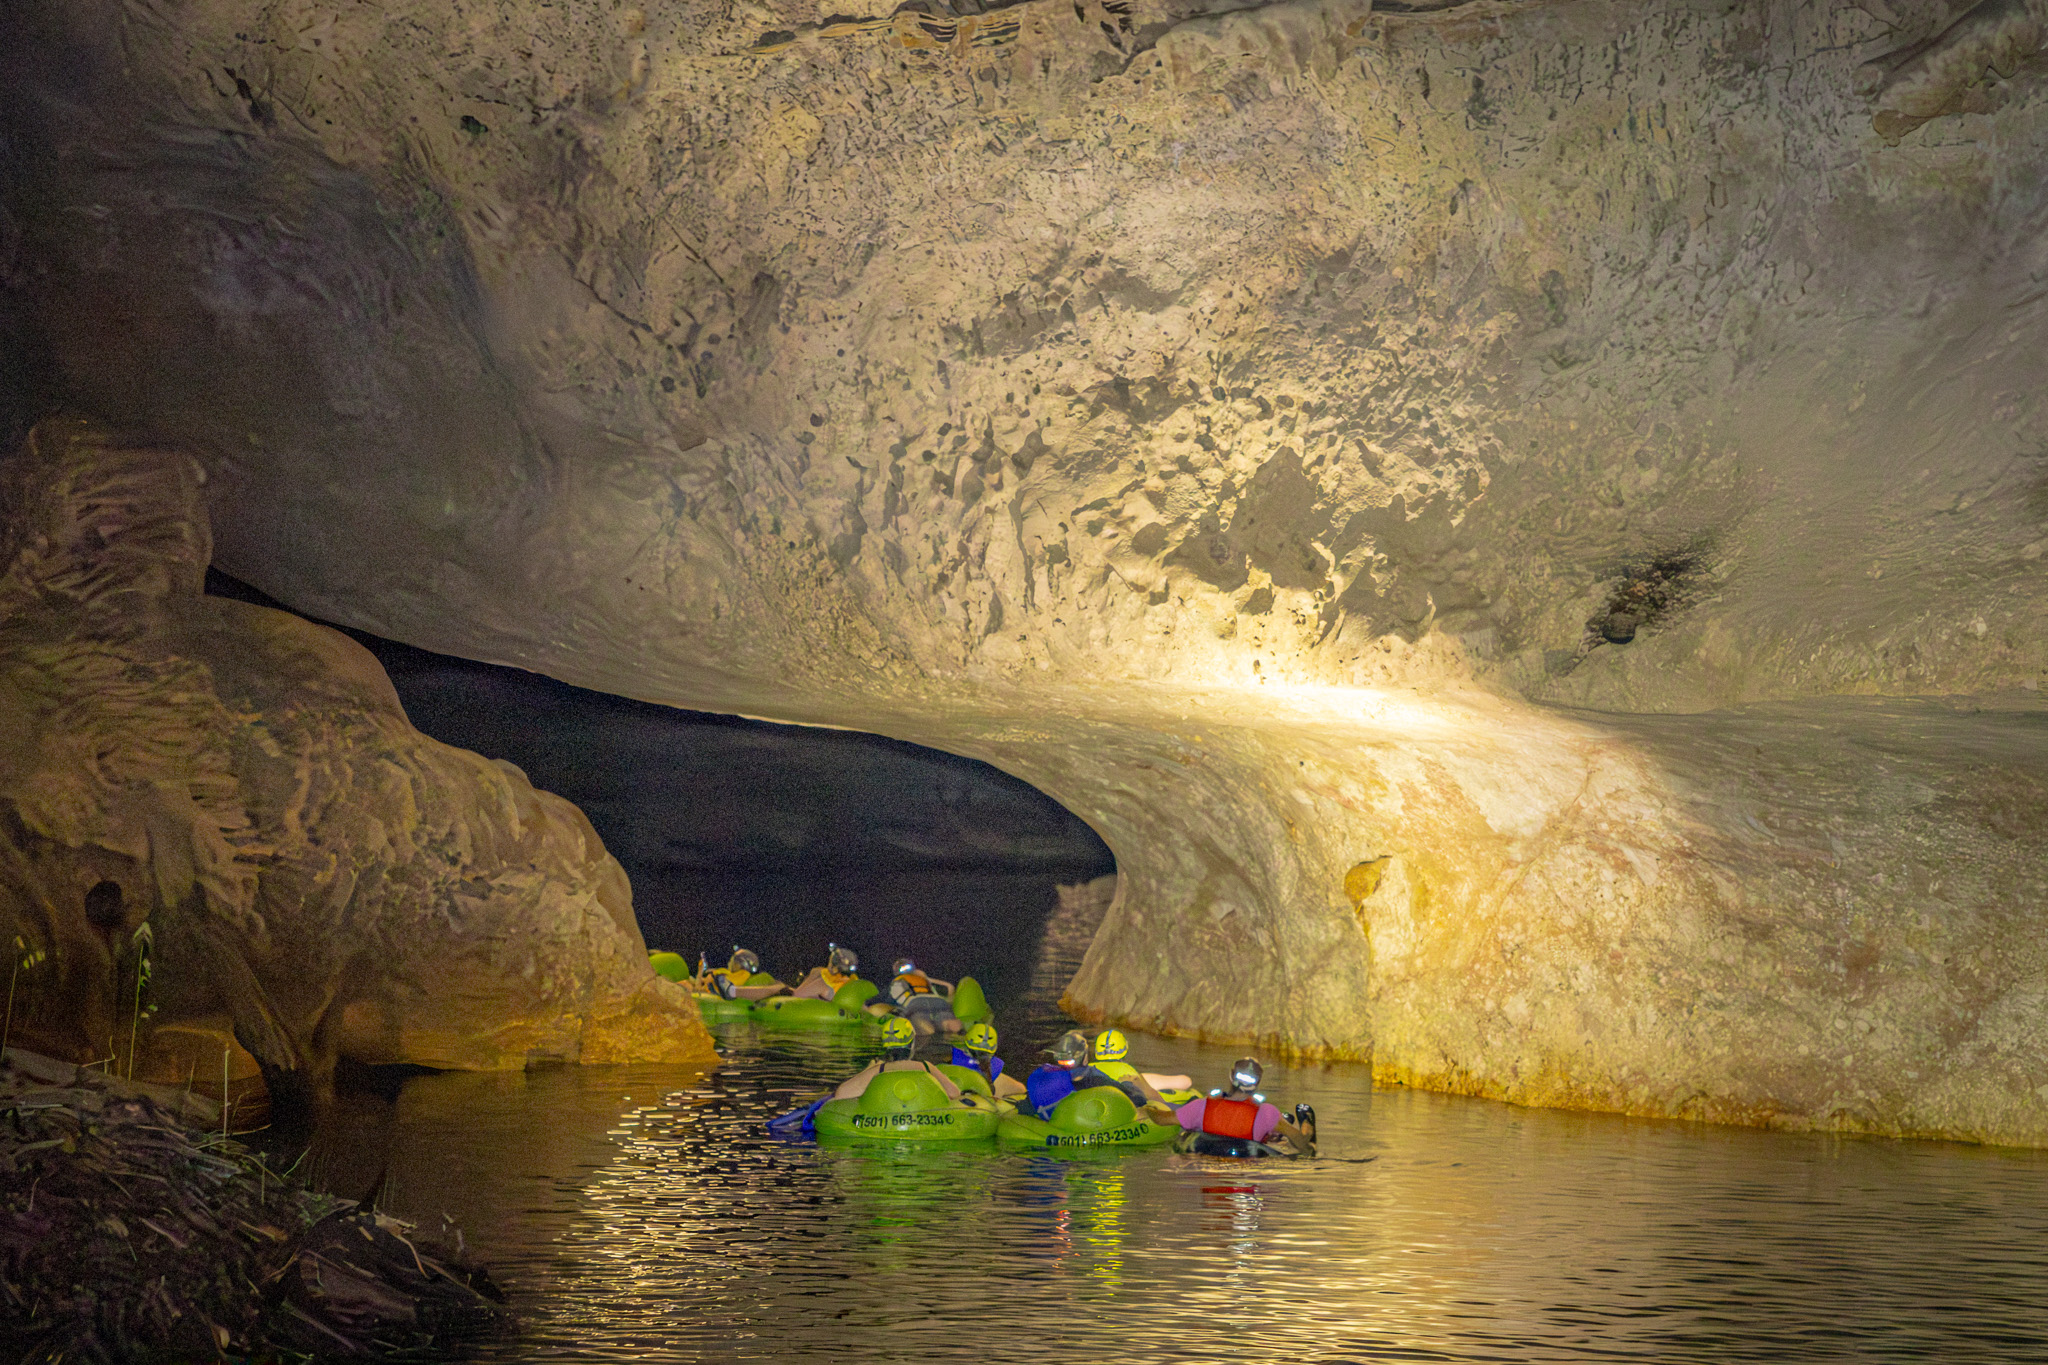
917,983
1229,1118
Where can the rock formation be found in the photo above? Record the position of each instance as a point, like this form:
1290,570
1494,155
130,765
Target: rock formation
1256,427
318,880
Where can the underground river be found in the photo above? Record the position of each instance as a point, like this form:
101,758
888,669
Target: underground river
645,1214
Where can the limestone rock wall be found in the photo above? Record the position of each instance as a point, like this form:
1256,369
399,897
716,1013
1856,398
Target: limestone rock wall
317,876
1249,426
1792,914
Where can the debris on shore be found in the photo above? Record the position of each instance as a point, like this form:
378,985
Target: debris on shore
126,1234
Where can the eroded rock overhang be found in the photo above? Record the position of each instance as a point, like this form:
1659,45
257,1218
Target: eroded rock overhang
1245,426
219,809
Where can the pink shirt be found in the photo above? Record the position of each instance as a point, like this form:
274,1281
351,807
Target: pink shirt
1190,1116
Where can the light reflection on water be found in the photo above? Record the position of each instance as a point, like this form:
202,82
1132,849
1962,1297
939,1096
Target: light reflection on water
645,1214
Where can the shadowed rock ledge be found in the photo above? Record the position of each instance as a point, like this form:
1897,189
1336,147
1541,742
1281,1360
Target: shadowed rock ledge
318,878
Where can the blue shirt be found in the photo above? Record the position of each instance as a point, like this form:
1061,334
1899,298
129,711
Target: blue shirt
962,1057
1047,1086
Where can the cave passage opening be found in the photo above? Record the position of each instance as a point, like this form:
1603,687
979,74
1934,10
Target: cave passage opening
783,838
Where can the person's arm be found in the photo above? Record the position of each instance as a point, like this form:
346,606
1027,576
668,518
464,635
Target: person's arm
1301,1142
1165,1083
1006,1087
1278,1125
945,1081
853,1086
944,988
1148,1090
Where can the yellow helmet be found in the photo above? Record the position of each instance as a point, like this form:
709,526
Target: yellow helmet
898,1032
1111,1046
981,1038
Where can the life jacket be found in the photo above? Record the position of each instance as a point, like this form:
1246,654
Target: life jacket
915,983
1229,1118
833,979
1117,1071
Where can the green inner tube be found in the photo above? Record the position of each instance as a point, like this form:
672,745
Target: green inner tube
669,966
856,992
966,1077
1100,1116
786,1011
970,1006
716,1009
906,1106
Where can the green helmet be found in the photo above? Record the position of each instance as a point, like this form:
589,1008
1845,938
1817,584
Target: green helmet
1111,1046
898,1032
980,1038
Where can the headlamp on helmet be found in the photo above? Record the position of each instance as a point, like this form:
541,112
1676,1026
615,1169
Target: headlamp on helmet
1071,1049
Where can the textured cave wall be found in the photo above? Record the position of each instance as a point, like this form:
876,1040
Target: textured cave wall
1239,424
319,879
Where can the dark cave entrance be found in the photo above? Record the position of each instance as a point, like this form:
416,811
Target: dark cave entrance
779,837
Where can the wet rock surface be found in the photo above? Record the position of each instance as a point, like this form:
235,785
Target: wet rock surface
314,878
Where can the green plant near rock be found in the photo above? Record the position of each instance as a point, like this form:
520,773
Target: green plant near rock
27,957
142,942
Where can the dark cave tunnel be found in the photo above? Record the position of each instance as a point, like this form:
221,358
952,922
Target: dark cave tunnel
783,838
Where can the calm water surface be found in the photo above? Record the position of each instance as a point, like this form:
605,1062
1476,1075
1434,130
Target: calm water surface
643,1214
